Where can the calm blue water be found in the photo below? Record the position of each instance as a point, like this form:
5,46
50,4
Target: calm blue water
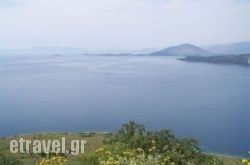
99,93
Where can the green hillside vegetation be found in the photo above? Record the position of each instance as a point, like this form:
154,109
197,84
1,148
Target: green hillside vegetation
131,145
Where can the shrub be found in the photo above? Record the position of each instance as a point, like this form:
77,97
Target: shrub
181,150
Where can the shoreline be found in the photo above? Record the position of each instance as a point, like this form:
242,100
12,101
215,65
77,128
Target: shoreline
56,133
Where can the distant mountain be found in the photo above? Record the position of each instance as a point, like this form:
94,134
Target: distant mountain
231,48
43,50
50,49
183,50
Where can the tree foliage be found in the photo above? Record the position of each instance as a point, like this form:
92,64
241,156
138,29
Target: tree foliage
181,150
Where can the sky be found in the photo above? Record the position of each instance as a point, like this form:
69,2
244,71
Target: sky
122,24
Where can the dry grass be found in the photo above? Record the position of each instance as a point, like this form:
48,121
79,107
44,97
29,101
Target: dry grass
94,140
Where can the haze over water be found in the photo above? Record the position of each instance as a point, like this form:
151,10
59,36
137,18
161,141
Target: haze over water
77,93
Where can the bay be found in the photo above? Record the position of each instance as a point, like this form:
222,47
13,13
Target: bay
75,93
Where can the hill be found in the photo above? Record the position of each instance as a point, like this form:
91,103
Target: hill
183,50
243,59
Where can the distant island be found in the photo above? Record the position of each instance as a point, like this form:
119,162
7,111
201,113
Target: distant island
192,53
183,50
243,59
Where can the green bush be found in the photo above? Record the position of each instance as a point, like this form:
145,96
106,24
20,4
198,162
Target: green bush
180,150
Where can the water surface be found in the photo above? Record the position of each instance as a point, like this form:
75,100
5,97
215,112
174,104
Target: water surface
99,93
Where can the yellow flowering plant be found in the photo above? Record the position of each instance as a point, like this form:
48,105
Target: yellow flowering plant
245,161
110,156
52,159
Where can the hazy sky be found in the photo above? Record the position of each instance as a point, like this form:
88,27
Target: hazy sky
122,24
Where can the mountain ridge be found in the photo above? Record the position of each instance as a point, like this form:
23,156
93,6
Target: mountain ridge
183,50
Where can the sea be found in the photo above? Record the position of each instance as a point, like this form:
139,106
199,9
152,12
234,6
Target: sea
79,93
